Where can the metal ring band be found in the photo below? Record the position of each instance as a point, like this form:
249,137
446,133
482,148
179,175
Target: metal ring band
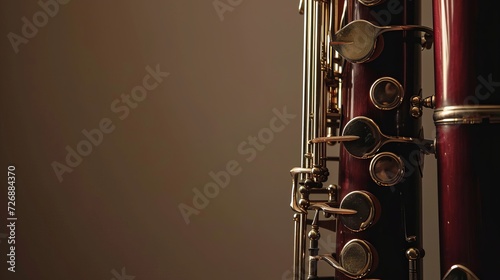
358,257
467,114
366,205
388,174
393,101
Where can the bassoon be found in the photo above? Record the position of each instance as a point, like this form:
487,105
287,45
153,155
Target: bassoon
362,108
467,119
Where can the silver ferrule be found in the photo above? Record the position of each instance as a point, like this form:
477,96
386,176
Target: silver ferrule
467,114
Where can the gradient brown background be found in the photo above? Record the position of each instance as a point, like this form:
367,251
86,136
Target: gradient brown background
119,207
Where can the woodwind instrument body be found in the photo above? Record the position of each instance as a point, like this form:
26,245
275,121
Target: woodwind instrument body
362,90
467,118
381,90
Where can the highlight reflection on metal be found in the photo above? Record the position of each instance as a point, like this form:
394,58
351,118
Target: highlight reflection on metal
364,203
301,208
386,93
460,272
357,259
333,139
371,2
295,173
467,114
413,254
320,118
331,210
386,169
417,102
371,139
357,41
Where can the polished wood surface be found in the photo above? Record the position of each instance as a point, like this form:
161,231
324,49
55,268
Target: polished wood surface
466,69
399,58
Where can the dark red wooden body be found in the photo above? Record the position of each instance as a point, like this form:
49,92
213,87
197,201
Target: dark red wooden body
467,64
400,59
